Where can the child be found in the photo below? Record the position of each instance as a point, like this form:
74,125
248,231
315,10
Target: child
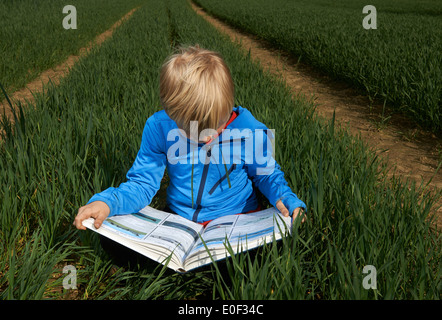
207,180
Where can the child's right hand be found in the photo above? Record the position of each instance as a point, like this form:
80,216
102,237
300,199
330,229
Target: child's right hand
98,210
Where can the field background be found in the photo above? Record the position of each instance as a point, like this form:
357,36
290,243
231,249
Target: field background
83,135
399,63
33,38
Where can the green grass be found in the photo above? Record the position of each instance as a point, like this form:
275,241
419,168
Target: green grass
33,38
398,63
83,136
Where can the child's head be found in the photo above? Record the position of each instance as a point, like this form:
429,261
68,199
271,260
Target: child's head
196,85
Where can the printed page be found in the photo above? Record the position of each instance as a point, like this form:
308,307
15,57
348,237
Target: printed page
258,227
242,229
151,226
177,234
216,232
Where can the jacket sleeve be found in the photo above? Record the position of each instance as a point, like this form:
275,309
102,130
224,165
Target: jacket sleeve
267,176
143,178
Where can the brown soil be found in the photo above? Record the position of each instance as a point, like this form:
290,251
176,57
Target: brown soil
26,94
409,151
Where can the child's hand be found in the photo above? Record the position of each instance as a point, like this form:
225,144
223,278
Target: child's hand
98,210
285,212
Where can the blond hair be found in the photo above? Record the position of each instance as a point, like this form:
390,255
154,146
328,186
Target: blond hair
196,85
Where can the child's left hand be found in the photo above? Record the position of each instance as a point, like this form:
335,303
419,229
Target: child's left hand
285,212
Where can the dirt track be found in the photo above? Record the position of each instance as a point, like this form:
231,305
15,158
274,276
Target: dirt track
410,152
25,95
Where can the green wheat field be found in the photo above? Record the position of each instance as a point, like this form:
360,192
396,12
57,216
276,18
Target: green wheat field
83,135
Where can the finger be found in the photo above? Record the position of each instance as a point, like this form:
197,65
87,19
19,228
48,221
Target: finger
78,224
281,207
298,212
82,215
98,220
77,218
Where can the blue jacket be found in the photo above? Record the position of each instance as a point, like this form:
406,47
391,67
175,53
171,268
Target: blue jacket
206,180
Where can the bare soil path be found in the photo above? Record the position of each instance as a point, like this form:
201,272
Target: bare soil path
409,151
55,74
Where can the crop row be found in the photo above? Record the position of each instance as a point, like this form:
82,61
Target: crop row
33,38
399,63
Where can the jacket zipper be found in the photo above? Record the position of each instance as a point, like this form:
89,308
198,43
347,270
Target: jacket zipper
201,188
222,179
204,178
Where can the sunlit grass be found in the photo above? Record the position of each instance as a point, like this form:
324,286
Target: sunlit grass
83,136
399,63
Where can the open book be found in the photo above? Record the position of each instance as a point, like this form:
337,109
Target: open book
161,235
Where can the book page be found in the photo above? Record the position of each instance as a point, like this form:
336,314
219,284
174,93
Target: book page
258,226
151,226
241,230
216,232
